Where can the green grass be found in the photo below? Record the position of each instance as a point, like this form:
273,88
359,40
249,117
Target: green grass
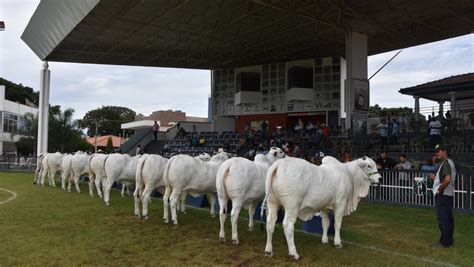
46,226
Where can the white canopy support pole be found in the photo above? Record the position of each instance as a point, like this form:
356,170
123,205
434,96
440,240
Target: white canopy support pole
356,68
43,117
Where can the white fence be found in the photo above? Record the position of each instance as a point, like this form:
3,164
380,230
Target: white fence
402,187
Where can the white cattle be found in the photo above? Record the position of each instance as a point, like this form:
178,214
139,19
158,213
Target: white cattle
119,168
191,175
39,167
51,164
303,189
66,170
80,166
149,177
96,170
243,182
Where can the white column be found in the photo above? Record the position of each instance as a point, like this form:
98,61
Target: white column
356,68
453,105
43,116
441,110
417,107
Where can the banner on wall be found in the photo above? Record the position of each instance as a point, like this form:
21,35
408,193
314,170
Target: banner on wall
361,95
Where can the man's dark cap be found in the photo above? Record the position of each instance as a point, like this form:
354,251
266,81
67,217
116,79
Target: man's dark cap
440,147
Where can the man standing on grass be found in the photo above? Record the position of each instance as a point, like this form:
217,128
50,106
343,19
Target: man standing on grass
443,188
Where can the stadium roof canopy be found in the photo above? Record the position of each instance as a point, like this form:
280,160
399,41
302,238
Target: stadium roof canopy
210,34
462,85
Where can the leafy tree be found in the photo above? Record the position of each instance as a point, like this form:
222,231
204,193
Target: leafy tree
26,146
19,93
110,146
109,119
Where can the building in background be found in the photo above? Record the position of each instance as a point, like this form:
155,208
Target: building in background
13,121
102,141
165,118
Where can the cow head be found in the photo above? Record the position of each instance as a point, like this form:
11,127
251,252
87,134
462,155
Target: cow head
368,166
276,152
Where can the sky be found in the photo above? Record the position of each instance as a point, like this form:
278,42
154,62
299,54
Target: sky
84,87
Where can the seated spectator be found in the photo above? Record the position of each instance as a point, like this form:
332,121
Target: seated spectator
317,158
385,162
309,127
202,141
346,157
194,141
297,151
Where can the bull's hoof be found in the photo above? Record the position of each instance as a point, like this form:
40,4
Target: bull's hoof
294,257
100,196
166,221
235,241
268,254
91,195
222,239
107,203
213,215
324,241
145,217
175,222
339,246
251,229
138,216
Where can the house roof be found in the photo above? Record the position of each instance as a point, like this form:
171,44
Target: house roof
462,85
102,140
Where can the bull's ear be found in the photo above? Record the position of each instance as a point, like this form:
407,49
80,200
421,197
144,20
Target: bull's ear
364,158
361,163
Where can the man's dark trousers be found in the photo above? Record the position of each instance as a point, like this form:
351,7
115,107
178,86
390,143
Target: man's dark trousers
444,211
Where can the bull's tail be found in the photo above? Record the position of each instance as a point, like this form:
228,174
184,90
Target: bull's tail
271,173
166,172
139,185
221,177
89,163
39,166
103,167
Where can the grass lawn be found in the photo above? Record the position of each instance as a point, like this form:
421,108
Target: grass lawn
46,226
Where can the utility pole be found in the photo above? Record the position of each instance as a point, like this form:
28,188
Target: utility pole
95,137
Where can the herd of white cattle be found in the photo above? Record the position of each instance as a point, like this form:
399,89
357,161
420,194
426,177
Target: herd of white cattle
299,186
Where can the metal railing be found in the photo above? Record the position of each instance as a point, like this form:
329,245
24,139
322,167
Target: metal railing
400,186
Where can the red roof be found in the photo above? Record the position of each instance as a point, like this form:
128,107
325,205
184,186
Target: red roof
102,140
446,82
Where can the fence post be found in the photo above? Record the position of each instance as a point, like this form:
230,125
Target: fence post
468,184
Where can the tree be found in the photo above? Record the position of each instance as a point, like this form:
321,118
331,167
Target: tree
19,93
25,146
109,119
110,146
64,134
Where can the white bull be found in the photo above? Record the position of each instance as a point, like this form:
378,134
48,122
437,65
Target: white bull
51,164
184,173
149,177
303,189
119,168
66,170
80,166
243,182
96,170
39,167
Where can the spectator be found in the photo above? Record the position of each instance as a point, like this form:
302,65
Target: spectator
435,131
299,126
297,151
448,114
195,141
247,128
202,141
325,130
166,148
443,187
181,132
395,131
404,164
263,128
194,128
383,132
156,129
317,157
226,146
346,157
309,127
385,162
